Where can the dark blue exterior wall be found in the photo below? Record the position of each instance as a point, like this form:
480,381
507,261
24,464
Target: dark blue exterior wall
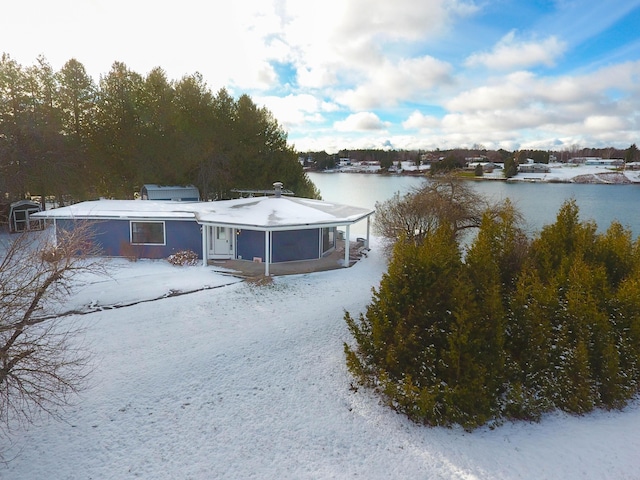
113,236
295,245
286,246
249,244
183,235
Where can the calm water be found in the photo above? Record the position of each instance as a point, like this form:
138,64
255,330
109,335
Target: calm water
538,202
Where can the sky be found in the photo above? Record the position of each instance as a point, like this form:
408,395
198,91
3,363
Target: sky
353,74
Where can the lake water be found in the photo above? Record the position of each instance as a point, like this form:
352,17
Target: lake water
538,202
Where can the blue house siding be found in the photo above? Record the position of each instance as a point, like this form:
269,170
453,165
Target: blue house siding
295,245
183,235
114,237
286,246
250,244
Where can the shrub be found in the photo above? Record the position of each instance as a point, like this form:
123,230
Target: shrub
183,258
518,328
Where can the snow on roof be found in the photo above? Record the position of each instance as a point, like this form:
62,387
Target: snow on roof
110,209
263,213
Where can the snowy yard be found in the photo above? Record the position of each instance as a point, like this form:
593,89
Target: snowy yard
239,381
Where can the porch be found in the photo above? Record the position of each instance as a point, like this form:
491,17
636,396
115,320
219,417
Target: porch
331,261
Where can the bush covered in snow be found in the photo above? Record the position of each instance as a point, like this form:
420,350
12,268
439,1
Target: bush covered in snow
183,257
518,328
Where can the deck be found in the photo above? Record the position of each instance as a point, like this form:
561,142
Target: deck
331,261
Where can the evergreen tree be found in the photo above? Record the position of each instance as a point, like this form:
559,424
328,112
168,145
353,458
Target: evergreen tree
518,329
631,154
510,167
61,134
76,99
402,340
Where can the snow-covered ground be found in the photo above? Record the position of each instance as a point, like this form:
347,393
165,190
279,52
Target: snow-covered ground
240,381
574,173
558,172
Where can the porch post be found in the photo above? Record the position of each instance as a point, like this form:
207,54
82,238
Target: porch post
368,230
205,242
267,249
347,243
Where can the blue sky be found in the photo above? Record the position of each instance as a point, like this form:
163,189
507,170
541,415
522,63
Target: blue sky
348,74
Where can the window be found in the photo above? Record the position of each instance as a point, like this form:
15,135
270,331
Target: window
328,239
147,233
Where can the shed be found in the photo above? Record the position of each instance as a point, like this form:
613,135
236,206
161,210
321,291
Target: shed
20,216
189,193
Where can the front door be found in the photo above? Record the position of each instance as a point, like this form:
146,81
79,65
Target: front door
220,242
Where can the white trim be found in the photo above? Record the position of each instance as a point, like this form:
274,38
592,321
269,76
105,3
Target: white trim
347,244
267,252
205,245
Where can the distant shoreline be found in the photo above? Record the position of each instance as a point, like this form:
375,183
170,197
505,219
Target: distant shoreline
558,173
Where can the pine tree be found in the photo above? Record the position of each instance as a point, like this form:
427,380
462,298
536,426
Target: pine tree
517,329
402,338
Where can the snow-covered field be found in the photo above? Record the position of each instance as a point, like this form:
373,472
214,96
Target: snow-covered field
562,172
558,172
239,381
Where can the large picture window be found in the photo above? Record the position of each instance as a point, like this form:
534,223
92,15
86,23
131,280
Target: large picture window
147,233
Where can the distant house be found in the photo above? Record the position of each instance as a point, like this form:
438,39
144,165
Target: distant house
605,162
534,168
486,166
166,192
269,229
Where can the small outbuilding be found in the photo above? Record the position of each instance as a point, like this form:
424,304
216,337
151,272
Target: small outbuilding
20,216
190,193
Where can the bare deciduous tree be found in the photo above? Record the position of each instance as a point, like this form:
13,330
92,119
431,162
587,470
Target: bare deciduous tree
441,200
42,364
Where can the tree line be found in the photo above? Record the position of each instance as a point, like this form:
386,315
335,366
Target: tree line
508,327
447,160
64,135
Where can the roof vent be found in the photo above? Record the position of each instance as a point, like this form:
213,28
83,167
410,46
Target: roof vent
277,187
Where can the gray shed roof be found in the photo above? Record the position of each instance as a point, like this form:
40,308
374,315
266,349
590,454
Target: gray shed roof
152,191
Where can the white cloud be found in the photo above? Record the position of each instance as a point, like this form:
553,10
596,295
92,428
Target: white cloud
604,123
402,19
418,121
362,121
361,56
390,83
339,40
512,53
297,110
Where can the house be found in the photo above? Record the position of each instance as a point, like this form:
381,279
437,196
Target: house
21,216
605,162
189,193
534,168
267,229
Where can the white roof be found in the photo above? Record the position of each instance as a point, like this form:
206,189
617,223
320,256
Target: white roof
257,213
